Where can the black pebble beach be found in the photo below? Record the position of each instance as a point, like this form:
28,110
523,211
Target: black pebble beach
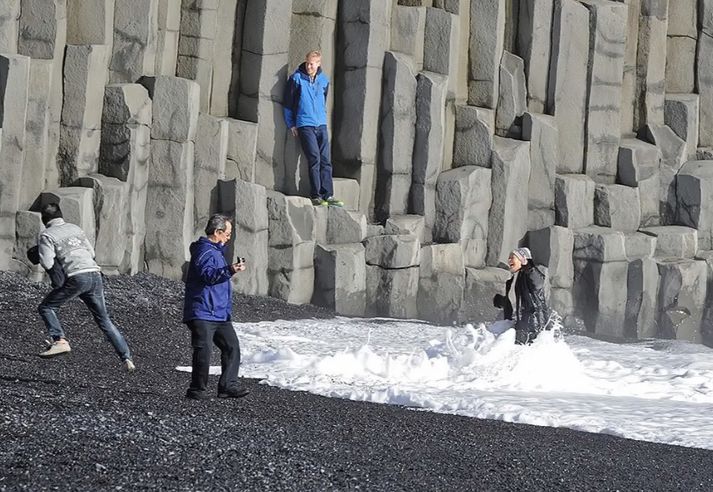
80,422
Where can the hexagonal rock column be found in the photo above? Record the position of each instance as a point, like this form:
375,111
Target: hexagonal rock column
392,275
462,204
507,222
345,227
247,204
481,285
486,43
134,48
196,45
9,26
14,76
441,48
408,25
291,221
512,101
211,150
638,165
606,73
674,241
473,143
600,279
681,46
396,137
681,114
406,224
441,283
694,196
42,37
642,283
574,200
541,131
169,26
124,153
534,42
364,37
617,206
682,294
263,73
90,22
707,322
111,200
340,278
628,88
673,156
85,75
428,145
169,206
704,71
242,150
567,88
650,64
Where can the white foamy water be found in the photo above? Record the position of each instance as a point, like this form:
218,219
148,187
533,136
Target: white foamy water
654,390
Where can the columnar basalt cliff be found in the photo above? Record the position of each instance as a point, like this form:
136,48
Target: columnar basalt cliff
460,130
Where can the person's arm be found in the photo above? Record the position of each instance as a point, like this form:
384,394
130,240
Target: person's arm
537,278
46,251
326,92
211,270
290,102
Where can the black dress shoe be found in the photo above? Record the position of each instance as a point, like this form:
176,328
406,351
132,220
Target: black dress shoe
197,395
234,393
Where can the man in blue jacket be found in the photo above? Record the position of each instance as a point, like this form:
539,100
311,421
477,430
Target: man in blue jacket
207,308
305,114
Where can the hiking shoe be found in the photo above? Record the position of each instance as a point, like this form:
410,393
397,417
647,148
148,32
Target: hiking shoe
234,393
56,348
130,367
318,202
334,202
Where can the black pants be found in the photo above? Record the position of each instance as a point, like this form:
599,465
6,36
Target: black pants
203,335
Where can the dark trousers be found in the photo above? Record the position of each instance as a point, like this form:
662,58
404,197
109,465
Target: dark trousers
203,335
315,145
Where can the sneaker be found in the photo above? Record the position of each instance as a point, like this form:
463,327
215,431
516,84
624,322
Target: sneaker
334,202
56,348
318,202
234,393
130,367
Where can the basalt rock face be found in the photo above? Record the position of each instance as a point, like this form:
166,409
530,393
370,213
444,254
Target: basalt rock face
459,131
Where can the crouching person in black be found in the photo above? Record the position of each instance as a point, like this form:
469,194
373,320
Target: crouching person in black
531,313
207,310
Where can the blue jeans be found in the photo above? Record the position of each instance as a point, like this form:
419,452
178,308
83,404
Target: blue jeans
90,289
315,145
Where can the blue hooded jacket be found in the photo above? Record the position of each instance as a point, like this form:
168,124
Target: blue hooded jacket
208,290
305,101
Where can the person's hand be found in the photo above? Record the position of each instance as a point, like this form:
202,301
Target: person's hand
499,301
238,267
294,131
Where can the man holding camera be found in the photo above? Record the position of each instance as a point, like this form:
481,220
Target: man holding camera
207,310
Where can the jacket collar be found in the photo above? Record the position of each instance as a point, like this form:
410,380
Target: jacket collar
54,222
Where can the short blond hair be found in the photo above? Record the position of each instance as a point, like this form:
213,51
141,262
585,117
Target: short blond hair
313,54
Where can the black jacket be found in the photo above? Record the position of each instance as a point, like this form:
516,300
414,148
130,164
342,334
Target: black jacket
531,310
